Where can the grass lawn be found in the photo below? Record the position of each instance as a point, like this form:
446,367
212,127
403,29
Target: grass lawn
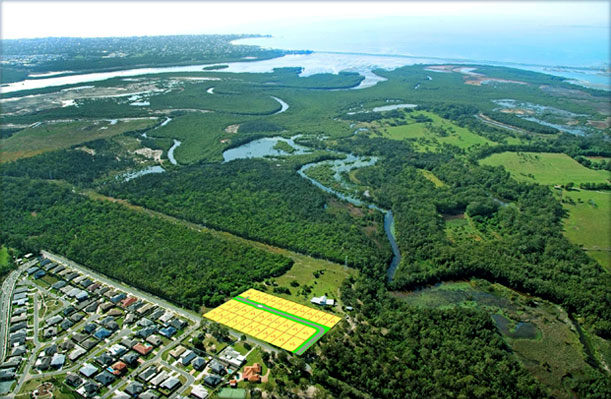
546,168
431,176
61,391
330,278
48,137
588,223
456,135
239,346
4,257
210,340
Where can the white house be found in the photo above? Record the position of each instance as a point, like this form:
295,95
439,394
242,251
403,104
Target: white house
322,301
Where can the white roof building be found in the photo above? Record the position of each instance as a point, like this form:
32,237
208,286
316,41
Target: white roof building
322,301
167,316
199,392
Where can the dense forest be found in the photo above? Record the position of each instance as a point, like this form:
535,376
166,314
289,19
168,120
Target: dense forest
191,268
257,199
75,166
526,250
386,348
399,351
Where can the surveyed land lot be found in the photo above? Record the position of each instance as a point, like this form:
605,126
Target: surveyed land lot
280,322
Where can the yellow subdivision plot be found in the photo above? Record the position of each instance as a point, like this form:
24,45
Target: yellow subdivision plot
261,322
306,333
280,340
292,343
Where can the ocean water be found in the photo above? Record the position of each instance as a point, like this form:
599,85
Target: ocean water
578,52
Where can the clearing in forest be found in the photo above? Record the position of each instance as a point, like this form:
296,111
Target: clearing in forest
546,168
283,323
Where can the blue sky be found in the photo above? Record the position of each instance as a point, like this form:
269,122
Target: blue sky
21,19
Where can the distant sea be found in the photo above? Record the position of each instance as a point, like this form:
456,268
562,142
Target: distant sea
577,52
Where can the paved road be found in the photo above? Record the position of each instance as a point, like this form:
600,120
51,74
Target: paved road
5,303
156,359
320,331
124,287
31,360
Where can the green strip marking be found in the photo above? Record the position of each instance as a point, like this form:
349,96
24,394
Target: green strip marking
237,298
308,342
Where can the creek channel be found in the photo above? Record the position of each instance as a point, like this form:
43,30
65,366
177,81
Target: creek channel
266,147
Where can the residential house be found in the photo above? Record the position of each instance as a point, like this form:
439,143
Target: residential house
119,368
142,349
134,389
199,392
199,363
170,384
105,378
252,373
148,374
212,380
73,380
88,370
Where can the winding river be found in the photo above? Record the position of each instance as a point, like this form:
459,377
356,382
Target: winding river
171,152
284,106
265,148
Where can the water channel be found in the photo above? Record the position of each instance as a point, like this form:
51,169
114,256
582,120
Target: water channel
265,147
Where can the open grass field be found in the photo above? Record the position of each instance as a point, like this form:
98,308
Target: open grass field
426,139
48,137
320,276
431,177
280,322
589,223
546,168
4,257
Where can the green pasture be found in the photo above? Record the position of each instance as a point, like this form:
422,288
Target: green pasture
424,137
546,168
588,223
54,136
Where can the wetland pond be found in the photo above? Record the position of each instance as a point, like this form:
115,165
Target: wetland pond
495,301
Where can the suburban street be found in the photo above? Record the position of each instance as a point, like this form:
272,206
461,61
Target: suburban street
124,287
5,303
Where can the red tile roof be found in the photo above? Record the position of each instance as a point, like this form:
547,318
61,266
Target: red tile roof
251,373
119,368
141,349
128,301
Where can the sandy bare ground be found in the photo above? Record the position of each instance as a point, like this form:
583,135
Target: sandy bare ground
517,111
471,77
88,150
604,124
69,97
478,81
150,153
232,129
